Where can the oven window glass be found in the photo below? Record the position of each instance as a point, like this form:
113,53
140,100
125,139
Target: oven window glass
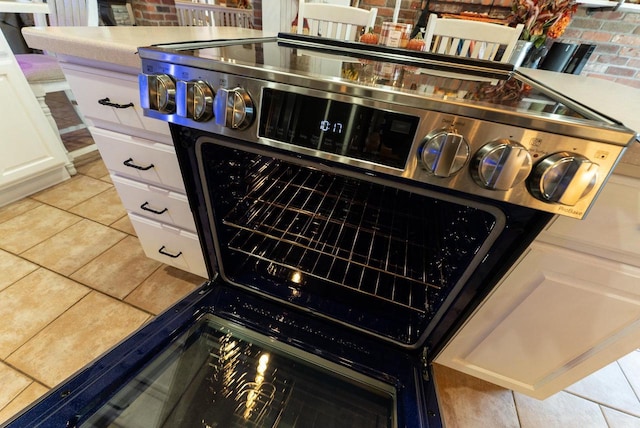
375,256
338,128
215,376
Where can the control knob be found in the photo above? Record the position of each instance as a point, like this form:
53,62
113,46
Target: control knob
444,153
157,92
195,100
563,178
501,164
233,108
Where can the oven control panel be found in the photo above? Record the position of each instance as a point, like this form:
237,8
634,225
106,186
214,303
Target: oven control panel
542,170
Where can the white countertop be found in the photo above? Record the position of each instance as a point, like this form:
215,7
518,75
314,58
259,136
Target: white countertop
118,45
609,98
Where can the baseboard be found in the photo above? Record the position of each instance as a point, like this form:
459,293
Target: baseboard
16,191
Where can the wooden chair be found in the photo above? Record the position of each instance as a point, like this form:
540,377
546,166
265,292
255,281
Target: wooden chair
43,71
472,39
191,13
334,21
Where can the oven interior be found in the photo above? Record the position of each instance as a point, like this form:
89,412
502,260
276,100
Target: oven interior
220,375
374,255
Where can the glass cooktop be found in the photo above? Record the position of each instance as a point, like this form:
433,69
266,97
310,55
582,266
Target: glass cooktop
433,76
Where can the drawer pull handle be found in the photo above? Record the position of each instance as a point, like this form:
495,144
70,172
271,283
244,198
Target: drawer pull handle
173,256
107,102
130,164
145,207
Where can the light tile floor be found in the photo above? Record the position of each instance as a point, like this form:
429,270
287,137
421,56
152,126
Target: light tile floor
74,282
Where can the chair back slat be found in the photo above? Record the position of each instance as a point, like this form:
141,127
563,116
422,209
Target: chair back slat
334,21
73,13
205,14
472,39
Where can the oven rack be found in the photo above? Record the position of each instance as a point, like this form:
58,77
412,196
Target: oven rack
374,239
282,255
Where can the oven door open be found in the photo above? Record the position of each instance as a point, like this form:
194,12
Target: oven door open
225,357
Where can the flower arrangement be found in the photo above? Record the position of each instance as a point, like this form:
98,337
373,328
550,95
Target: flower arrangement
542,18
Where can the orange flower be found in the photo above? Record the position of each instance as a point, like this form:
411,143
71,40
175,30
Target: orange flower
557,29
542,18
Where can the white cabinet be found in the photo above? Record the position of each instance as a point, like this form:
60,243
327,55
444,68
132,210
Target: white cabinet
569,307
140,156
32,157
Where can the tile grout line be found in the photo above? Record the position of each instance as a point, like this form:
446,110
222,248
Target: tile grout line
27,211
515,405
618,409
624,373
604,415
5,360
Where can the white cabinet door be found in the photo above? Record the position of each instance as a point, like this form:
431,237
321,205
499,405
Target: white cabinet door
610,230
558,316
31,154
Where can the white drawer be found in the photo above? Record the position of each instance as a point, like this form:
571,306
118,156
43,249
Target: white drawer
170,245
138,158
154,202
110,99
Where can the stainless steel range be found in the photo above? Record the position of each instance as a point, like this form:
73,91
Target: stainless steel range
471,126
354,204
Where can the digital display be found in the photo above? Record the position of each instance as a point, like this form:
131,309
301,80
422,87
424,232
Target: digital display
337,127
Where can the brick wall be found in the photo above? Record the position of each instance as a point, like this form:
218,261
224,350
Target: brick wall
617,36
154,12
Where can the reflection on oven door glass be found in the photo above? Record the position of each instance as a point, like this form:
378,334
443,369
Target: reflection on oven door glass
215,377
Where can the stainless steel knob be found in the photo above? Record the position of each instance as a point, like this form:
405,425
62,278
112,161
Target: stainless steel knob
501,164
195,100
233,108
444,153
563,178
157,92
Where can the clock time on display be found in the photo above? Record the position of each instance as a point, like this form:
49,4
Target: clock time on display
337,127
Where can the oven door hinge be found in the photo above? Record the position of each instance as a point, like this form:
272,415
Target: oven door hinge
424,362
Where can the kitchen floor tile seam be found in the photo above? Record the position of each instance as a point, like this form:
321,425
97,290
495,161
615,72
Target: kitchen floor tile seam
619,409
107,294
26,274
51,321
515,405
89,261
126,235
23,373
22,213
124,298
626,376
18,254
603,406
40,381
68,209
